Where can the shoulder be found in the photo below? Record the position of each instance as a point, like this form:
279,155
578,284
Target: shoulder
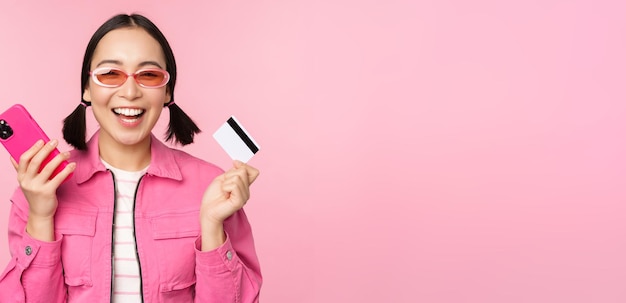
189,163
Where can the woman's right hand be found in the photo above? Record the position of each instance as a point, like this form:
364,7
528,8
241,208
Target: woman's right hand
39,189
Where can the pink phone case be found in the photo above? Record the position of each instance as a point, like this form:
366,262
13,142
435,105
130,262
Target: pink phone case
19,132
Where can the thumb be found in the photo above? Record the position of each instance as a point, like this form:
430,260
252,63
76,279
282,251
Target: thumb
238,164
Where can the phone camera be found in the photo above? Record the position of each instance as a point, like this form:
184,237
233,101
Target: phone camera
5,130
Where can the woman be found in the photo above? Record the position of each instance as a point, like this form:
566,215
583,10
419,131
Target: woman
136,221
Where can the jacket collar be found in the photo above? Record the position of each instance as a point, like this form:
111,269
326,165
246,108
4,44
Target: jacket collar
163,163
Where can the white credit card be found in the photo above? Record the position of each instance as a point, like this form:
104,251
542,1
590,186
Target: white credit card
236,141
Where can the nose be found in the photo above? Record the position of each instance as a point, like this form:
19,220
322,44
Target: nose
130,89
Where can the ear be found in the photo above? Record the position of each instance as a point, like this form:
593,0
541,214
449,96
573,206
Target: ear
168,95
87,94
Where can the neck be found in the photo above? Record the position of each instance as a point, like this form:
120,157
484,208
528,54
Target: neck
126,157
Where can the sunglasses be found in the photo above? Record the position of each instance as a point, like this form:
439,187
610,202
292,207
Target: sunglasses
115,77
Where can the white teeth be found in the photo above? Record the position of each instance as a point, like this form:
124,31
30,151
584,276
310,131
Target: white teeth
129,120
128,111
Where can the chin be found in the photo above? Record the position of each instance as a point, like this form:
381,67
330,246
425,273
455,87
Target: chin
132,140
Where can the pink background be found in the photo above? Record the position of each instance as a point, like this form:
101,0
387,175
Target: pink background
411,151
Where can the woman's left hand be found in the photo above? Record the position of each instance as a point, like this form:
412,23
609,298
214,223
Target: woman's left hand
227,193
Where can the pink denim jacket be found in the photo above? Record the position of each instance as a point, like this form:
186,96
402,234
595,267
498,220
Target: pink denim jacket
77,266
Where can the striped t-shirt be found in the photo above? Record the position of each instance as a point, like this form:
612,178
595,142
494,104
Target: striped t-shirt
126,274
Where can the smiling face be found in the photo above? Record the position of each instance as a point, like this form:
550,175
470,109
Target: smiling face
128,113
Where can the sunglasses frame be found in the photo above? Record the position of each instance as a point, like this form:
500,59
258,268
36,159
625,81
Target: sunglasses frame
94,76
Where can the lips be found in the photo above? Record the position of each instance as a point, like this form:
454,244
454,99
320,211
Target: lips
129,115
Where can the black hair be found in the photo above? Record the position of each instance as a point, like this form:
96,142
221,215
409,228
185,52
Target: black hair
181,128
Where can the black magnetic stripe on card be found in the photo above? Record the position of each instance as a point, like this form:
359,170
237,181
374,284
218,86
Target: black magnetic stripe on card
242,135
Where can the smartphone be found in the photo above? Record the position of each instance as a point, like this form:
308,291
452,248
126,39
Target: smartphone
19,132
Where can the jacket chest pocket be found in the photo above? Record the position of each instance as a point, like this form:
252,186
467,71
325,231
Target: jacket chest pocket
78,227
174,236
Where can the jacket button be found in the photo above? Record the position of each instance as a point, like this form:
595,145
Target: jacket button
28,250
229,255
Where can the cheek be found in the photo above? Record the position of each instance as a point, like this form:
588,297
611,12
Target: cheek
156,114
99,108
157,98
100,96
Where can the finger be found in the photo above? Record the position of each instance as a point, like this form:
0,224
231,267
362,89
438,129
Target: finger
51,166
252,173
15,165
234,179
239,172
233,182
37,161
238,193
26,157
62,175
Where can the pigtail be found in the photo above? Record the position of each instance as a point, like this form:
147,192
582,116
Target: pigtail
181,128
74,127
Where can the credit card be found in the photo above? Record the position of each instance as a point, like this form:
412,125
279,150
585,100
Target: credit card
236,140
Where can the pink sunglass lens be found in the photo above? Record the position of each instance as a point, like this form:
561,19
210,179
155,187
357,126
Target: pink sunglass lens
111,77
151,78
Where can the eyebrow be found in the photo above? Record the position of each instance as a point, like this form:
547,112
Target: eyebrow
118,62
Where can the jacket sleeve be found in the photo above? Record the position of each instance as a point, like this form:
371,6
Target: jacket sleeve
230,273
34,273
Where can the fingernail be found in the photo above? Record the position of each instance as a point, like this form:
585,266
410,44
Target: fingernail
53,142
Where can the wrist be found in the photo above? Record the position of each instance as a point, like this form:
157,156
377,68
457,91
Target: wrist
213,235
40,228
